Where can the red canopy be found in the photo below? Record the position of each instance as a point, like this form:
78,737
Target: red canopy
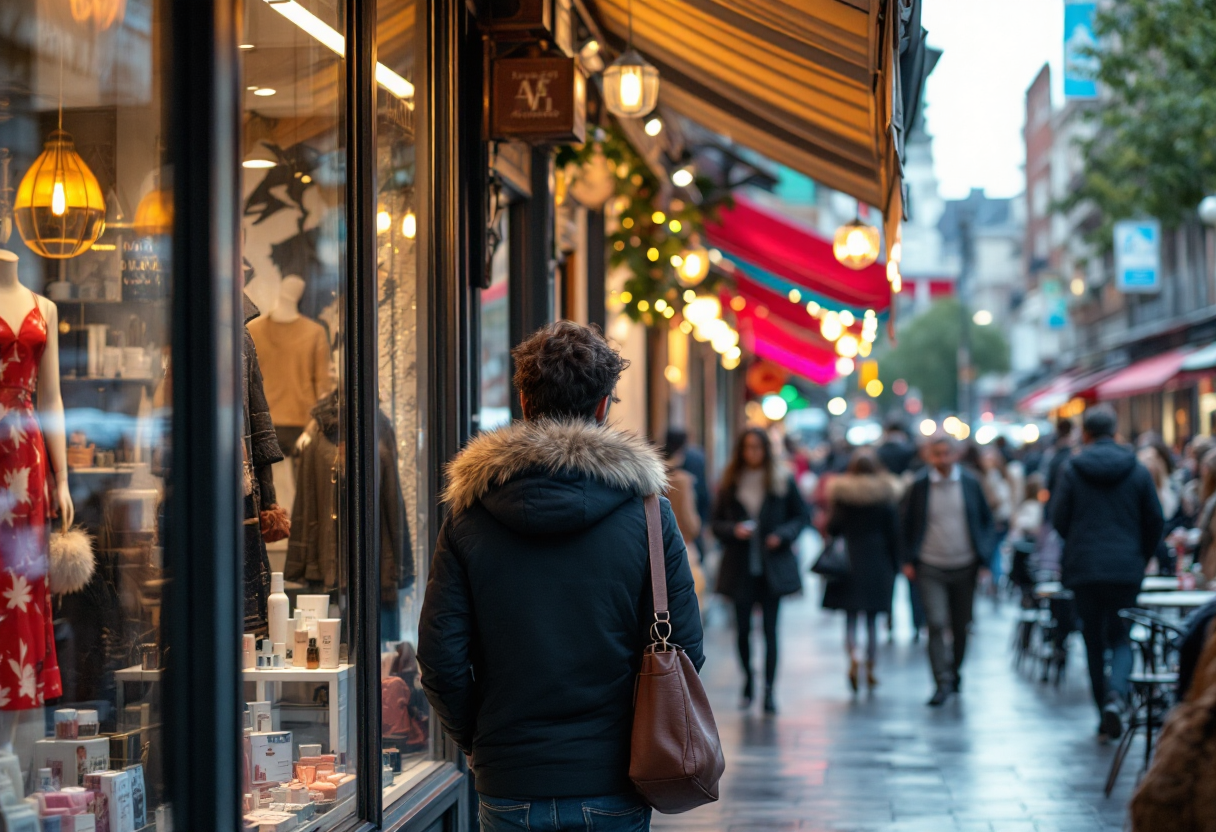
794,253
803,352
759,297
1147,376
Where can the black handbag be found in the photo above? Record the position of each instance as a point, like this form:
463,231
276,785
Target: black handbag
833,562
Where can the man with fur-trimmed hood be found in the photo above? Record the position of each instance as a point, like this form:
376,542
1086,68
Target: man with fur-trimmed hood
538,605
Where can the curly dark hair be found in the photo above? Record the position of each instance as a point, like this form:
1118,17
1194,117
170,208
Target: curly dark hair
565,369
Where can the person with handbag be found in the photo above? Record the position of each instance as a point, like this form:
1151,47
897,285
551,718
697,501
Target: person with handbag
863,513
538,608
758,517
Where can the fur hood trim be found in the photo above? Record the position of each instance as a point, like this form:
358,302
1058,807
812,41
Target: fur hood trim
864,489
615,458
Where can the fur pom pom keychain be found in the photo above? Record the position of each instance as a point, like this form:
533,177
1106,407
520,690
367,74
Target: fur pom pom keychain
71,562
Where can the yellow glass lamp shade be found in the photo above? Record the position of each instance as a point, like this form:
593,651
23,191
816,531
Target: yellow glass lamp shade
631,86
60,210
856,244
154,214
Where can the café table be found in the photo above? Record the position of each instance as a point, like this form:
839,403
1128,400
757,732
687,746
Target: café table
1159,583
1182,600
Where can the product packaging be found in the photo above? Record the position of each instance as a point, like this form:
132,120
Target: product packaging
139,798
270,752
87,725
260,716
116,786
330,630
66,724
70,760
277,609
267,821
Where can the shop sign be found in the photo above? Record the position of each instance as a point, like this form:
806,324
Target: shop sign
1055,305
1138,256
1080,68
550,20
539,100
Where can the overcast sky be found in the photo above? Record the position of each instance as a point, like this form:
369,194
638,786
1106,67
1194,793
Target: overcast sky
992,51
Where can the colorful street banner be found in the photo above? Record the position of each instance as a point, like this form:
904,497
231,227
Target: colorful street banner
1138,256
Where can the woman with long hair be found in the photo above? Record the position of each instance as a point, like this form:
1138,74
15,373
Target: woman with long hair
758,516
863,509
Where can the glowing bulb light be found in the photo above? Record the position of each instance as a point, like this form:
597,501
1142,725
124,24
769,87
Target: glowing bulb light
847,346
830,327
838,406
654,127
694,266
856,244
631,86
384,221
682,178
701,311
409,225
845,367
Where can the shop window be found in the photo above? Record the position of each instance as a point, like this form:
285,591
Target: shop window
407,733
494,408
301,737
85,228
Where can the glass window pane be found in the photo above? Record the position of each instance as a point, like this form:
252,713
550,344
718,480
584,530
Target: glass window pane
85,229
495,406
402,459
301,738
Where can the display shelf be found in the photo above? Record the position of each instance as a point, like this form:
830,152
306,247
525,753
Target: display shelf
337,679
108,380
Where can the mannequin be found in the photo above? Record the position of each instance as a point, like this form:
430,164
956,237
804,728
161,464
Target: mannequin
294,354
33,473
291,289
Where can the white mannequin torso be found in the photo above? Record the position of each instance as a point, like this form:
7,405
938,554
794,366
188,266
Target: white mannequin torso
291,289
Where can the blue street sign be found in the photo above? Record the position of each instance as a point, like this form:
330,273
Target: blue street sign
1080,69
1138,256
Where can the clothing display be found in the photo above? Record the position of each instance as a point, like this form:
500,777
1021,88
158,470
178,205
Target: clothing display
261,451
29,668
295,359
312,554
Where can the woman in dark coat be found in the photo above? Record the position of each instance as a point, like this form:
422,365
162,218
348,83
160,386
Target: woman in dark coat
758,516
863,509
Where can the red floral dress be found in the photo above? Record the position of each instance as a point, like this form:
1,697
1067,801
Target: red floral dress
29,670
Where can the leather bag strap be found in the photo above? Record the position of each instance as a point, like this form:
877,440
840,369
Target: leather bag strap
658,566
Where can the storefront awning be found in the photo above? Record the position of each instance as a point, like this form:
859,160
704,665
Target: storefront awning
800,350
1200,360
1147,376
1048,396
808,83
768,246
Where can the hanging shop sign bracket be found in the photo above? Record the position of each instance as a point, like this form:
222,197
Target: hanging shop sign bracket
539,100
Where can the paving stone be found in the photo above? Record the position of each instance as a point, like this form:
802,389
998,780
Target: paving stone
1008,755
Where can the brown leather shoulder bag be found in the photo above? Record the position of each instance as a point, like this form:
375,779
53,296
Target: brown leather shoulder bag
676,756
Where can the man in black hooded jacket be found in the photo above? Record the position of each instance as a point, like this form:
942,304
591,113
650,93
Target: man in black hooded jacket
1105,507
539,605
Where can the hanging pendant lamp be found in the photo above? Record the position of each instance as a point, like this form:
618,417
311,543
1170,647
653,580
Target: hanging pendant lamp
631,85
59,209
856,244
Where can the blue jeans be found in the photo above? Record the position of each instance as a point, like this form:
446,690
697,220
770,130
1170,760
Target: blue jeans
611,813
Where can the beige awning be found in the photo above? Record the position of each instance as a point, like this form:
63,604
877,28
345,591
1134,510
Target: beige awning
807,83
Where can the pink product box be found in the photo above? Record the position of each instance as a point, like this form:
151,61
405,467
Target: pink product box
73,803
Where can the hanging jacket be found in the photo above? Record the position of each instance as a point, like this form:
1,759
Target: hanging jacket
260,450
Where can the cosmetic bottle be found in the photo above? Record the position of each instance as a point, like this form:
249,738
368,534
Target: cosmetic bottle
299,650
249,651
66,724
314,654
329,629
277,609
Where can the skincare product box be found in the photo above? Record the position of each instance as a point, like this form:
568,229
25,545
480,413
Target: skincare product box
78,823
139,799
270,753
116,786
70,760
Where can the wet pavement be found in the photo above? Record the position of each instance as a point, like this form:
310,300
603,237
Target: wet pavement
1007,754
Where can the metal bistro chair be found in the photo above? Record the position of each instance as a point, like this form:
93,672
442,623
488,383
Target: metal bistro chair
1021,579
1152,687
1057,625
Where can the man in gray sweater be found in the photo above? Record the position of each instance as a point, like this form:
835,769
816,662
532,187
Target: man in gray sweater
948,532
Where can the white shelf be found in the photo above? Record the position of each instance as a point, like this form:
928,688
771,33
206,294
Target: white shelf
285,674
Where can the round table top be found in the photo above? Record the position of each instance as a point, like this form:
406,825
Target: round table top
1159,583
1189,599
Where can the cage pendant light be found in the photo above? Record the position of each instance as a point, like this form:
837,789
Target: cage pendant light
631,85
60,210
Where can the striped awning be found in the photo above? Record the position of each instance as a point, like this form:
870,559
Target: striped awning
811,84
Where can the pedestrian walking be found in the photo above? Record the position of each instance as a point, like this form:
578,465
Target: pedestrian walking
948,535
758,517
1106,509
538,605
863,506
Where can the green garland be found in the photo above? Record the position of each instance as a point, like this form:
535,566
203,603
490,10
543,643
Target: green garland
648,234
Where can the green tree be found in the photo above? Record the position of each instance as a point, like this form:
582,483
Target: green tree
1153,152
926,352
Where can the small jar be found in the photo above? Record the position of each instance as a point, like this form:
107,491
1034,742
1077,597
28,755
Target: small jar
67,727
149,656
86,724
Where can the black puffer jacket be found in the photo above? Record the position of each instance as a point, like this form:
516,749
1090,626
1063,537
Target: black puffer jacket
865,512
1106,508
783,514
538,606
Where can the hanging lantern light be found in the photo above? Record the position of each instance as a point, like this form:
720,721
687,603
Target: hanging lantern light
701,311
59,209
631,86
154,214
856,244
694,266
